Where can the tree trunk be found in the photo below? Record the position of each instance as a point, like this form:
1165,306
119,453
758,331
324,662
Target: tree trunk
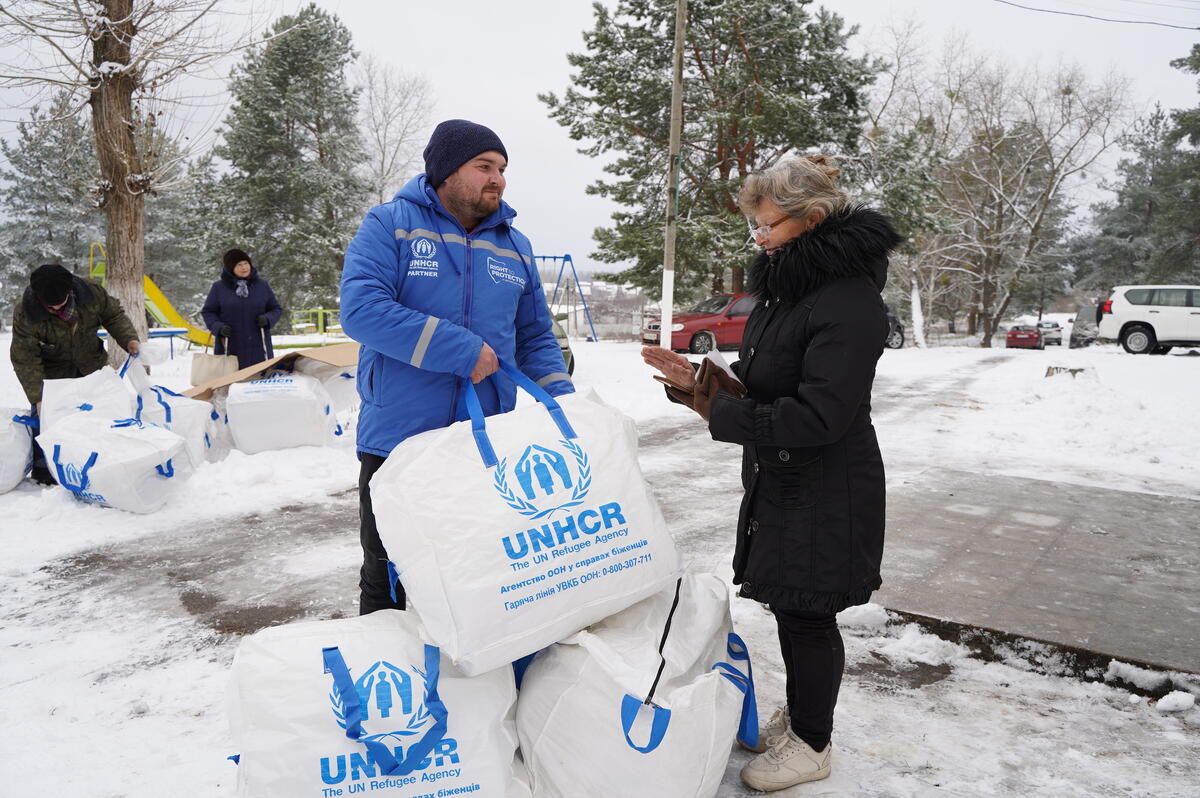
739,279
918,316
124,181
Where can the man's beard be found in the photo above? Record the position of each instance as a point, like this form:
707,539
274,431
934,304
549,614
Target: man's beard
477,207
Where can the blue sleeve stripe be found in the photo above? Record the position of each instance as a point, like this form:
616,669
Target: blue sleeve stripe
423,341
555,377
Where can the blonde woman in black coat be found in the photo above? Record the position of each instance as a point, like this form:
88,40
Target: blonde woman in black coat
810,528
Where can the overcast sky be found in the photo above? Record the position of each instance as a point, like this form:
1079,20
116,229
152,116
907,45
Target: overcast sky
488,59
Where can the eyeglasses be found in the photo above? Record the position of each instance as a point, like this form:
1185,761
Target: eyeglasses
764,230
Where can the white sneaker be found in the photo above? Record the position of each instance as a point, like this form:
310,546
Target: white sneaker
788,761
776,726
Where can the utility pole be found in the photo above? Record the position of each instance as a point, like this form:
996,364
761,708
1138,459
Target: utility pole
668,283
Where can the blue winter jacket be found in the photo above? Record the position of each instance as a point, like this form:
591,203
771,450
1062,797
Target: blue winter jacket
422,296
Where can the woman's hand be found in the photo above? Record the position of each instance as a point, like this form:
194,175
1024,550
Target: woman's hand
676,369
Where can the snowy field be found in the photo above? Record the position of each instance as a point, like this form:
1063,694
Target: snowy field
117,630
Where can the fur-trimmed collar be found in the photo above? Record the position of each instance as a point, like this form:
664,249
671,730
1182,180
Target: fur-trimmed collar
35,311
853,242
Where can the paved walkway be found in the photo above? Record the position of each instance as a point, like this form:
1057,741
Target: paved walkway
1113,572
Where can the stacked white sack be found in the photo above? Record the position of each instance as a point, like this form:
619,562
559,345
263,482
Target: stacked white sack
16,447
122,464
295,728
559,533
583,720
280,411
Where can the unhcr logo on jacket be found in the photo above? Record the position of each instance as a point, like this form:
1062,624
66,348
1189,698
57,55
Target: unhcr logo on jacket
424,258
391,698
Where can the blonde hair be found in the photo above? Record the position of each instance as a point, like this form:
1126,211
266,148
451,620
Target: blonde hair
798,185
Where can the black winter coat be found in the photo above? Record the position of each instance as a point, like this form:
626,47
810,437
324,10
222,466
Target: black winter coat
810,529
251,343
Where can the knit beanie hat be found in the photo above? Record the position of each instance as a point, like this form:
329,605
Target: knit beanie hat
453,143
235,256
51,283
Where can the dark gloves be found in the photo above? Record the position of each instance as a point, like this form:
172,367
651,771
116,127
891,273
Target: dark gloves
224,331
263,321
709,380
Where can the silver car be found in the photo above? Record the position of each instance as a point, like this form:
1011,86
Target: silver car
1051,332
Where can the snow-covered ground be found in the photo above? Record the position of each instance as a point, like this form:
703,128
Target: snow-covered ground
114,655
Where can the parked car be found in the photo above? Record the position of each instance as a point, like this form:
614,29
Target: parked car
1150,319
1051,332
714,323
563,344
895,339
1024,336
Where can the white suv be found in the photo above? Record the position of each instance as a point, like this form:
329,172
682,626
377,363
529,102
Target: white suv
1150,319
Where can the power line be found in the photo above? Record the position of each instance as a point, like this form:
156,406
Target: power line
1102,19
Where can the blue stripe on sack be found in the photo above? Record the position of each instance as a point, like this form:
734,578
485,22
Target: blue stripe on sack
343,684
167,470
28,421
738,652
158,394
85,407
393,579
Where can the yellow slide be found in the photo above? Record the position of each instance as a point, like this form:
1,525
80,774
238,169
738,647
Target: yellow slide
157,304
165,313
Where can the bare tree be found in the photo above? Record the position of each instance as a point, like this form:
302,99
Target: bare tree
1005,148
122,60
394,114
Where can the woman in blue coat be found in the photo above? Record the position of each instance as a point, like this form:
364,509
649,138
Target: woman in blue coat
240,311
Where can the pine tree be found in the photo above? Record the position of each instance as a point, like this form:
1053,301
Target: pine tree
762,78
1150,232
49,215
293,147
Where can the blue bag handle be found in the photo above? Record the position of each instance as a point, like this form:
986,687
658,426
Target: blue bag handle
630,706
158,394
166,470
738,652
344,685
29,421
478,422
125,366
83,472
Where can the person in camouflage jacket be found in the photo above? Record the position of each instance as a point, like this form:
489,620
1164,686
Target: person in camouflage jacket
54,329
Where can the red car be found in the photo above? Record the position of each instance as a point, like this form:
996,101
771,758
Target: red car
714,323
1024,336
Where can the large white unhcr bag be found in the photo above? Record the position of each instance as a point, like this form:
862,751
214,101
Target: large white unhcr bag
103,392
191,419
280,411
645,703
123,464
510,535
16,447
364,705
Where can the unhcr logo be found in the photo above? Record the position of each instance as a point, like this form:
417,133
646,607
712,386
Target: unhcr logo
385,693
547,480
423,249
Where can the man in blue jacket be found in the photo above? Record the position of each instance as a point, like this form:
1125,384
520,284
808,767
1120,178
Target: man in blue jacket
438,285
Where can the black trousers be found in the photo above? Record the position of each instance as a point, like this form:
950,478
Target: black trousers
375,592
814,658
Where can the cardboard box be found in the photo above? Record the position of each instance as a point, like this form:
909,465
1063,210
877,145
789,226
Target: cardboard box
341,355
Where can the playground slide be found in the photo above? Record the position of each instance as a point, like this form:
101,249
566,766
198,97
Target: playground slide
161,309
